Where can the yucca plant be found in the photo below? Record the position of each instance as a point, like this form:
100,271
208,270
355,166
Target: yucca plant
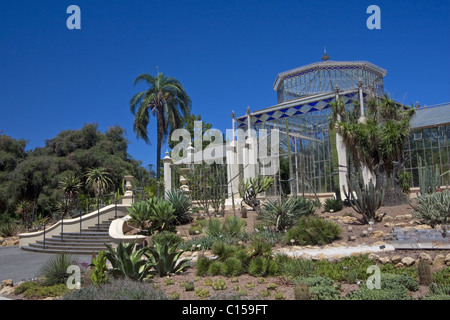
164,259
128,263
285,213
54,270
234,226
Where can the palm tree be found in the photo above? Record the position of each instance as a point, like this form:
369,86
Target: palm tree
98,180
377,141
168,101
70,185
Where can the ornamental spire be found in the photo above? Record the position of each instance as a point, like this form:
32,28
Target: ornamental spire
325,57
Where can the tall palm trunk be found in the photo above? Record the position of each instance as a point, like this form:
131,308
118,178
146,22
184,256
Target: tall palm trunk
159,135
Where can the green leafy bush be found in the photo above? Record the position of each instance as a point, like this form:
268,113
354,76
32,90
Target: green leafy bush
99,273
202,266
263,267
234,226
313,231
334,205
292,268
301,292
215,268
33,289
442,277
232,266
168,237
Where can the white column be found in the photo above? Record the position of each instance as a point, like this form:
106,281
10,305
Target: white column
342,156
127,198
167,173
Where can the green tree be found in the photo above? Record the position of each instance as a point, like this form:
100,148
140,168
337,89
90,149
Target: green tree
98,179
376,141
167,100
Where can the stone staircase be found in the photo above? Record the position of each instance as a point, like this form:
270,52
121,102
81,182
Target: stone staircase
90,240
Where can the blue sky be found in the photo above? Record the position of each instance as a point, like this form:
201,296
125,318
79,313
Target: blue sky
225,53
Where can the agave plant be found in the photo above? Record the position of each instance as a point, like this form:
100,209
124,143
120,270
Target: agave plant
181,204
162,216
140,214
54,271
128,263
165,259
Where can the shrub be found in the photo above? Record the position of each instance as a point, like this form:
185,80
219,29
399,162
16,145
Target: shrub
174,296
301,291
181,204
193,230
140,214
333,204
438,292
232,267
202,266
222,249
442,277
118,289
313,231
234,226
214,228
54,270
166,237
364,293
33,289
215,268
99,275
292,268
263,267
393,281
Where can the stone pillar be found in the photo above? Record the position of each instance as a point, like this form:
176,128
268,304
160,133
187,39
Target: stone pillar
367,175
127,198
342,156
250,156
167,173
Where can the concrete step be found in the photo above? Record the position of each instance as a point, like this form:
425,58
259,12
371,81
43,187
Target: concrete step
73,251
90,248
70,243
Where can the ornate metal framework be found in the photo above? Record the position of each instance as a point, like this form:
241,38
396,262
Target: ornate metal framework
322,77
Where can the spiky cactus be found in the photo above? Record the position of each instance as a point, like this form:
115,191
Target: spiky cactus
428,180
365,199
434,209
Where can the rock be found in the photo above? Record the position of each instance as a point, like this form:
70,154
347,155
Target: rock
351,237
305,256
378,234
375,257
422,227
336,257
321,256
387,219
332,217
399,265
408,261
396,259
385,260
439,261
447,259
348,219
426,257
403,217
7,291
6,283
